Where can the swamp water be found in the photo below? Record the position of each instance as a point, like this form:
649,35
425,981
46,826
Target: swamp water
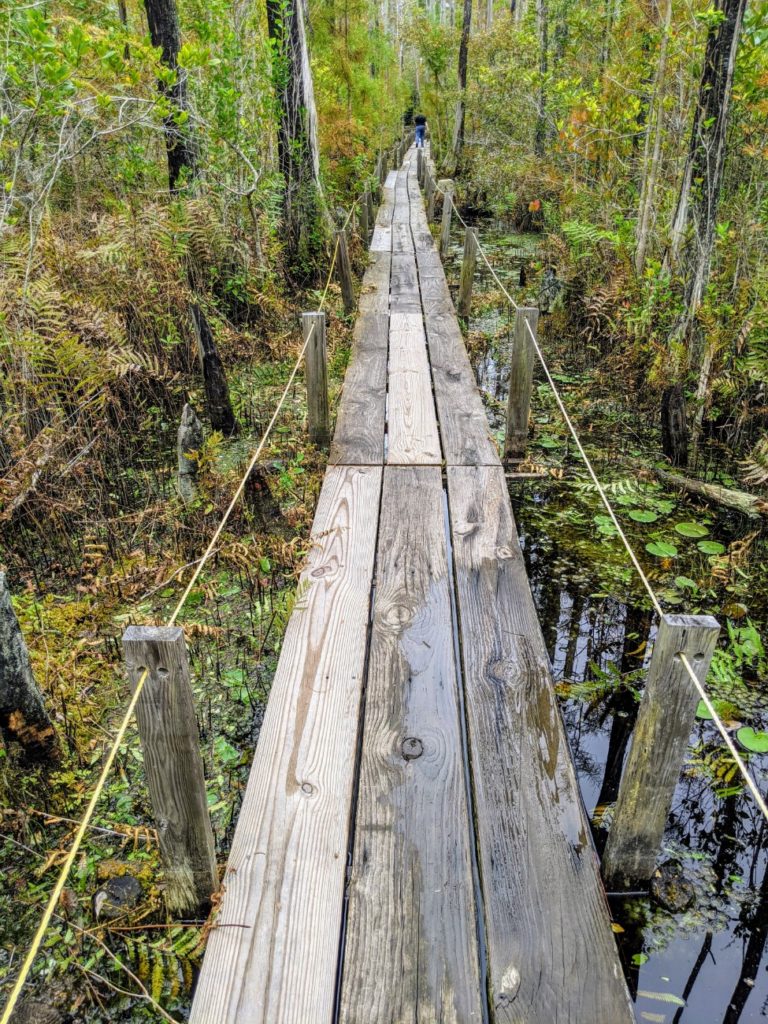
694,952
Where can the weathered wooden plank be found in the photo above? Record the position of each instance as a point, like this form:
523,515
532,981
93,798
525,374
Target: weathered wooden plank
374,291
411,951
463,424
402,242
359,436
429,262
413,436
382,239
551,952
391,180
404,278
272,956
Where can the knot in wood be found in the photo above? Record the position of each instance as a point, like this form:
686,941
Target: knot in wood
412,748
307,788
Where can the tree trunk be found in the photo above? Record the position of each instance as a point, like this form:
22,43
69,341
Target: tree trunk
23,717
541,113
748,504
674,426
461,105
304,224
693,227
189,440
652,160
163,19
216,388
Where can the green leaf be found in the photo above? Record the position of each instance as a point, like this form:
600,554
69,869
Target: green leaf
685,583
638,959
661,549
753,740
710,547
691,529
643,516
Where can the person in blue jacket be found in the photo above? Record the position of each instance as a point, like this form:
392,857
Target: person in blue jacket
421,130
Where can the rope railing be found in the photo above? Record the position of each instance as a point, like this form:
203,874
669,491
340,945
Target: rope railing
738,760
50,909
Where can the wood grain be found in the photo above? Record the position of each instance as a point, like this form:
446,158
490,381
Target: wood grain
374,291
272,955
359,436
413,435
463,424
173,765
659,746
551,952
411,949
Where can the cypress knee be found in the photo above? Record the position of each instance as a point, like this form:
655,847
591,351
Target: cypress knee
23,716
216,388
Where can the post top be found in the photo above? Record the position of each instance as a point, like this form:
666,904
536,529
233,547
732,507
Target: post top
152,634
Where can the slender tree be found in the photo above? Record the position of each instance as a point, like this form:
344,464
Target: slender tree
164,31
461,104
693,226
652,149
298,155
541,112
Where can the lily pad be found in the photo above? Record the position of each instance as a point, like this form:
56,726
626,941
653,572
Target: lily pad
753,740
691,530
641,515
661,549
685,583
725,709
711,547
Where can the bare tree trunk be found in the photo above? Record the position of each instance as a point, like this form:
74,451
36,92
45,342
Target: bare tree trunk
164,31
461,105
693,226
298,155
651,166
541,29
23,717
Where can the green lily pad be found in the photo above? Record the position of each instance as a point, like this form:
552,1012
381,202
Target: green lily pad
753,740
725,709
710,547
661,549
643,516
549,442
691,530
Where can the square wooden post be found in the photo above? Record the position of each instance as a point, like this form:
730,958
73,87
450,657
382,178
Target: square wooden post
520,383
659,744
173,765
445,229
316,375
467,272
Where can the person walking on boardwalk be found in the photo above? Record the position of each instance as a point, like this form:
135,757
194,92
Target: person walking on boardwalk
421,129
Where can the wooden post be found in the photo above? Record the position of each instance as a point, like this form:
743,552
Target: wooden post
165,713
659,743
430,196
383,168
467,271
420,166
371,211
316,370
364,216
344,269
445,230
520,383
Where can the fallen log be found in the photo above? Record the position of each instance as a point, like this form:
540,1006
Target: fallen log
748,504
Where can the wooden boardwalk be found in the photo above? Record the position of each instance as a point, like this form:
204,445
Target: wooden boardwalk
412,847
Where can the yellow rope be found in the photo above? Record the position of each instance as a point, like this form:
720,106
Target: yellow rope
104,774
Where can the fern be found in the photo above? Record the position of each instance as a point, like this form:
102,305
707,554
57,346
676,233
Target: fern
755,466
